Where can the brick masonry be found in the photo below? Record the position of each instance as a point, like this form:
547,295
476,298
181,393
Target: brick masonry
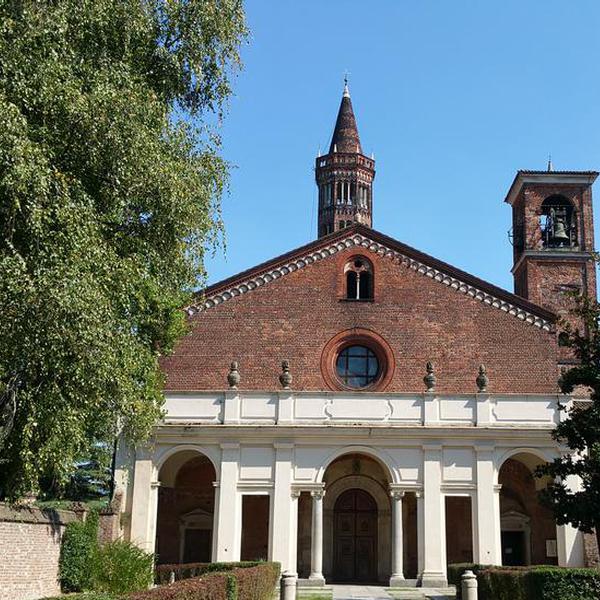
30,541
295,316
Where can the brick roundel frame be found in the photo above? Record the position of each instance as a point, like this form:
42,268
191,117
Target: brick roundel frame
352,337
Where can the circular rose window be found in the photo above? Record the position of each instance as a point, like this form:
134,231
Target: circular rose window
357,359
357,366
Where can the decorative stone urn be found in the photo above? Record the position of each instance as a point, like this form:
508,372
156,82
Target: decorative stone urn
233,377
286,377
482,379
429,379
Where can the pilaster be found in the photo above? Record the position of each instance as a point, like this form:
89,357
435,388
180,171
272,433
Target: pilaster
229,519
434,530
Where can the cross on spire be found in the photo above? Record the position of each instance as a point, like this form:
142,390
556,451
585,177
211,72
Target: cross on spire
346,90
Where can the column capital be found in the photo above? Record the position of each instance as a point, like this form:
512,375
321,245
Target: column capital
155,484
397,494
497,488
318,494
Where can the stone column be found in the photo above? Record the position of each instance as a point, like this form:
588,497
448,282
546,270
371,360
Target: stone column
397,577
420,532
569,540
486,547
229,524
144,502
283,539
316,554
434,531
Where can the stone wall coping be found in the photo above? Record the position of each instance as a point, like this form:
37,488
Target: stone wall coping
33,514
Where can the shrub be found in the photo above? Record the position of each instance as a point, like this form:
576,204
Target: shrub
213,586
257,583
538,583
120,567
79,541
188,570
553,583
233,581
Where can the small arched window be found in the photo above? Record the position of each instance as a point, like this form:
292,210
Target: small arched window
558,223
359,279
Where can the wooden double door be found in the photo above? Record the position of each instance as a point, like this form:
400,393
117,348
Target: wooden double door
355,537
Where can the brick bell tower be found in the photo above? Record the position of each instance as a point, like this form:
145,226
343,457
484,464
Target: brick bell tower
344,176
553,236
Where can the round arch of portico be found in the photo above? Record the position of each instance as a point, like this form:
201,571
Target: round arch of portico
162,457
543,455
381,497
383,458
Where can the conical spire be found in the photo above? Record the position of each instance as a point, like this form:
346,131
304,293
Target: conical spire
345,135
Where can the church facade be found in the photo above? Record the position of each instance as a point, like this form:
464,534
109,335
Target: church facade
360,411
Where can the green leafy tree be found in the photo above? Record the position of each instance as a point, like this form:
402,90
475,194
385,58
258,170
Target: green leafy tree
580,431
110,181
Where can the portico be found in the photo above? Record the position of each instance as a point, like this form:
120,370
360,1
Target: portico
323,487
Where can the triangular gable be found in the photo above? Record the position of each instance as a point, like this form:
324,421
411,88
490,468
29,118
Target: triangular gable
359,236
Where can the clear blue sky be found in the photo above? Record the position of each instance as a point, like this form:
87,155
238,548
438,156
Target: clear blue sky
452,96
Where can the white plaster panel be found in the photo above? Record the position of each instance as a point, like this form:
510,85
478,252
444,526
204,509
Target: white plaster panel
256,462
458,408
524,409
309,408
357,409
458,464
406,408
259,407
307,461
409,462
207,407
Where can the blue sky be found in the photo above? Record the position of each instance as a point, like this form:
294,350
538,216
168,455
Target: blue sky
452,97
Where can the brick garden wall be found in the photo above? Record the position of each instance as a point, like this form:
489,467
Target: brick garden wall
30,543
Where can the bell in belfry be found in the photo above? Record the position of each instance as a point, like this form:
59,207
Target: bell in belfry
560,236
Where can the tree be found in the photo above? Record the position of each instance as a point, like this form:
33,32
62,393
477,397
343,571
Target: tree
580,431
110,180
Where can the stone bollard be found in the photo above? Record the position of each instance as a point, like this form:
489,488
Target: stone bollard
288,586
469,586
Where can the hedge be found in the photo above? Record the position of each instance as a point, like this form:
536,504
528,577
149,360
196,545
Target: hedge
257,583
162,573
530,583
213,586
220,581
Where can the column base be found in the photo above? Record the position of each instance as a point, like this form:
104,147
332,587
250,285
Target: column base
433,580
397,581
316,580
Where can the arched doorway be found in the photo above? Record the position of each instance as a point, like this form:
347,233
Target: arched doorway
528,529
186,504
355,537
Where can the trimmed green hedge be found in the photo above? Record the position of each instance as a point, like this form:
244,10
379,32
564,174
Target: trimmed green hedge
530,583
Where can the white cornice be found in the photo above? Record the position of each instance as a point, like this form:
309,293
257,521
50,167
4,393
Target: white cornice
359,241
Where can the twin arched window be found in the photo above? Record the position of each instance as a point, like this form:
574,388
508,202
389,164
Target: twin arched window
359,279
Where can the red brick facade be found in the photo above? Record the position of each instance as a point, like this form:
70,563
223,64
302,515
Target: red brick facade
295,316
